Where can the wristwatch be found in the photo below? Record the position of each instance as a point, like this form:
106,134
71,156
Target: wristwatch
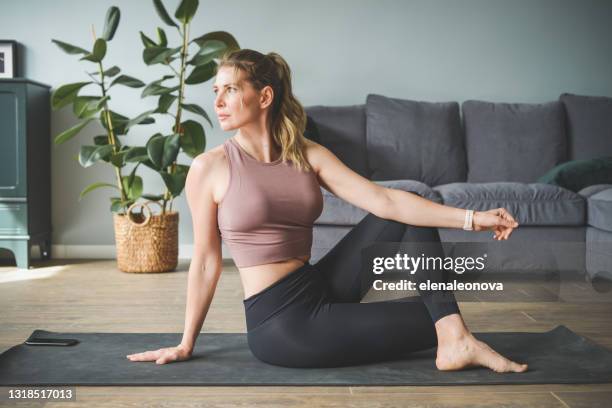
469,218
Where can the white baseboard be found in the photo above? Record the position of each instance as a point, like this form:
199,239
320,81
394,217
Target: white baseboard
100,252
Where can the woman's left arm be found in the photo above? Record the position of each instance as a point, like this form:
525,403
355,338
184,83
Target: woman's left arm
413,209
399,205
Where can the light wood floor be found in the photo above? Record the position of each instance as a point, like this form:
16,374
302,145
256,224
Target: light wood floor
94,296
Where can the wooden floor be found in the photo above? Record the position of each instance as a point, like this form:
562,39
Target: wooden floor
94,296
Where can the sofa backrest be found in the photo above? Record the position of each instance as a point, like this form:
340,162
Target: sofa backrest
399,139
342,130
589,125
517,142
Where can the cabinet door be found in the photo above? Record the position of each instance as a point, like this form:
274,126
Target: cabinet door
12,140
13,218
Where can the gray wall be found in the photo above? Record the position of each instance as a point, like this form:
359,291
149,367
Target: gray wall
442,50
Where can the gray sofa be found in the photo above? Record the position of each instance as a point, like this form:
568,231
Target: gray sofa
479,155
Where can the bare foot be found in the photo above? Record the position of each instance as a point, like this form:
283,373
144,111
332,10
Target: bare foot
466,351
458,349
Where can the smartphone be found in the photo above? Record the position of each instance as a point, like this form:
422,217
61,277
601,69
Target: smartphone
38,341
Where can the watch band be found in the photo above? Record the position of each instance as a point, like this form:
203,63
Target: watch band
469,218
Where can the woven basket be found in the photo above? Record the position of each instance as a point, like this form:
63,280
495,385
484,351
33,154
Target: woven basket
146,244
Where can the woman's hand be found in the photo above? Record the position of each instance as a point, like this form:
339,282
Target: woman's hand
498,220
163,355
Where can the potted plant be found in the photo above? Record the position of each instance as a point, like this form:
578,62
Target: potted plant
144,243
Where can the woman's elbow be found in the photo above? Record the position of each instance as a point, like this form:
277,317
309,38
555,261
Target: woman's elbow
383,207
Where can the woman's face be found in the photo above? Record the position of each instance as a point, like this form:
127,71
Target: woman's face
237,103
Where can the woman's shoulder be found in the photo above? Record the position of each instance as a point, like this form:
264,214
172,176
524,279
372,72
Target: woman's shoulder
210,163
315,153
210,158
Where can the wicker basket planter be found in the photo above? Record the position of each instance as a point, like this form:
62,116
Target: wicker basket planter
146,243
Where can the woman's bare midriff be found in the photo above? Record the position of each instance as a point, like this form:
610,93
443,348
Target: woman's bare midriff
257,278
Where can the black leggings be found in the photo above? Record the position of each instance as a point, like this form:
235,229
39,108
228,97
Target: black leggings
312,316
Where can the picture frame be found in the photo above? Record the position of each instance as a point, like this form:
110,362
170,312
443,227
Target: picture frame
8,59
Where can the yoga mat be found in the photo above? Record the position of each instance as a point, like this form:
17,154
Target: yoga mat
557,356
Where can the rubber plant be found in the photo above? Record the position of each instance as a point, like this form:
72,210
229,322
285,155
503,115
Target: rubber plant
162,149
91,108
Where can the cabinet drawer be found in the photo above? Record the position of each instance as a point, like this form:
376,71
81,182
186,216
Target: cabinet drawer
13,218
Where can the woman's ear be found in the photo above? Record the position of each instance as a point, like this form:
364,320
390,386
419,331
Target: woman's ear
266,96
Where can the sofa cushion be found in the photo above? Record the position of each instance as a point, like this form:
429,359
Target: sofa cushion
589,124
590,190
575,175
529,204
414,140
599,210
513,141
336,211
342,130
312,131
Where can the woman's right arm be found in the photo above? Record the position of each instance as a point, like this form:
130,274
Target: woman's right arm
205,267
206,263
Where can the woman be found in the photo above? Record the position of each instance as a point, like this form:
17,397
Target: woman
259,192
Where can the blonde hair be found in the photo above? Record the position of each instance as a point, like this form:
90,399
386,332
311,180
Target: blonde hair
287,118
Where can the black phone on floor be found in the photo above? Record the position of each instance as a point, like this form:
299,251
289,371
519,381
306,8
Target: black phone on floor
39,341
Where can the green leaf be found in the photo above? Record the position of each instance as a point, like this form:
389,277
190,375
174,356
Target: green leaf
158,55
161,11
186,10
142,119
222,36
133,189
147,41
94,186
193,139
149,164
118,159
112,21
174,182
101,140
70,133
136,154
171,150
158,90
161,36
127,81
155,87
164,103
162,150
99,51
118,121
65,94
209,50
117,205
132,176
69,48
90,155
86,106
202,73
193,108
152,197
112,71
155,150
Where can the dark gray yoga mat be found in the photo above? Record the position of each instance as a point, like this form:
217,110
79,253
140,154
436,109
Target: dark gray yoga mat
557,356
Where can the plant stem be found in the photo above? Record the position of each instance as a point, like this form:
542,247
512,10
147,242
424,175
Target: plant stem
109,124
181,96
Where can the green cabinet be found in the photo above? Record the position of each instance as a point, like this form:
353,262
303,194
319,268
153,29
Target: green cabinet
25,168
